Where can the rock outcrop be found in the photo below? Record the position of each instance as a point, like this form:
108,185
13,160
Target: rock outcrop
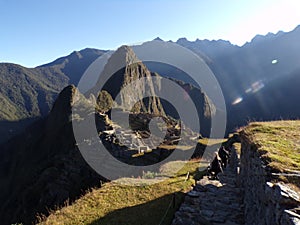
122,69
137,89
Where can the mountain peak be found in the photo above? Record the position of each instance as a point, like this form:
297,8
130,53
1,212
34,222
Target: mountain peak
182,40
76,54
62,107
158,39
124,68
128,54
121,58
87,51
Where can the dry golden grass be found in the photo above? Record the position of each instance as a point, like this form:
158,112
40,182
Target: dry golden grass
179,147
211,141
116,204
237,147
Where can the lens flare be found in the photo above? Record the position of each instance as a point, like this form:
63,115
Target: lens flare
237,101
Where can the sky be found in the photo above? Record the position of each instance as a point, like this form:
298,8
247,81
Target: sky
34,32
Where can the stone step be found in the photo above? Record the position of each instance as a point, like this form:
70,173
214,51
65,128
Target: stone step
215,202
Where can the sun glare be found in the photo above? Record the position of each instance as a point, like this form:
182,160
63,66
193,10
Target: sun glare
237,101
271,18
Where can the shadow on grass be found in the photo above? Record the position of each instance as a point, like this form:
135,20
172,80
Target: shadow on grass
156,212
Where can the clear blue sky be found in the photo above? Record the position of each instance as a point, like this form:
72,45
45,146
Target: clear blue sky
34,32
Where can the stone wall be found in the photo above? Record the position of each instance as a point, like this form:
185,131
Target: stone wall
266,201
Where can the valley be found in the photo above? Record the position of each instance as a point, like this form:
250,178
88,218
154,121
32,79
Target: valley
113,154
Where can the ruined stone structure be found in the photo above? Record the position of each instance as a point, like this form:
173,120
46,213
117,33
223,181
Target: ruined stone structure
244,194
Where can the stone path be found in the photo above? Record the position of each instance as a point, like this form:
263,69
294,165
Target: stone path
214,202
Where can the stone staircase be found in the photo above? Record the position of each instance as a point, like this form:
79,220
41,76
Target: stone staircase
214,202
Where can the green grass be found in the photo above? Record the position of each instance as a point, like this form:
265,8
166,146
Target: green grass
119,204
278,142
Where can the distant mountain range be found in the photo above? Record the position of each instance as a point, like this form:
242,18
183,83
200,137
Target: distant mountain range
41,166
28,93
262,74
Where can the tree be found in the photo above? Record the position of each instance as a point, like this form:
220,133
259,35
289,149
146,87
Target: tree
104,101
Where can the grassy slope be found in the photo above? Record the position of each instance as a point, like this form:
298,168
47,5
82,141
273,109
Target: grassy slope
279,144
116,204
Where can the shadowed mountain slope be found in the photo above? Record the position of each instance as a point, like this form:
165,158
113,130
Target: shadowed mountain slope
42,168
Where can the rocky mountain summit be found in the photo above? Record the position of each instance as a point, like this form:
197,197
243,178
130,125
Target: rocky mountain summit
135,88
61,174
124,68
